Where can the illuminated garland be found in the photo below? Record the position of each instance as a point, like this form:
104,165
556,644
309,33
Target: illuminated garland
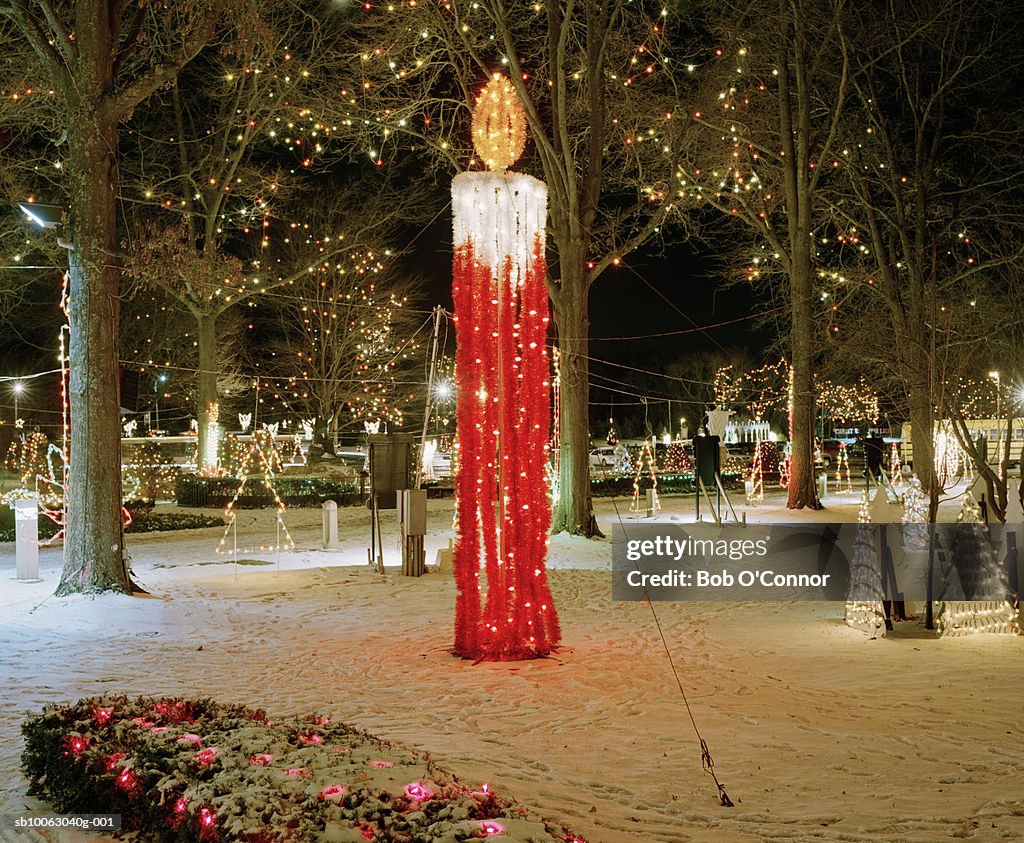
755,485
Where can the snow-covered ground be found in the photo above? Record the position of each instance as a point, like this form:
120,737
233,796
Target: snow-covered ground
817,732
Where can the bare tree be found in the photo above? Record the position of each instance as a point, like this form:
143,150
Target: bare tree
772,96
597,82
100,59
338,347
215,166
929,191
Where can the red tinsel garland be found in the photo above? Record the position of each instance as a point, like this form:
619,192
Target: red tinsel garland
503,511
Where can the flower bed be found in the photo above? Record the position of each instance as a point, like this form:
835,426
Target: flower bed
184,770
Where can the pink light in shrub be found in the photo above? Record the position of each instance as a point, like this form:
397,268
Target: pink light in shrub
323,721
142,721
490,827
76,745
159,730
311,739
297,771
103,715
180,805
207,818
333,793
484,791
262,759
417,791
112,759
207,756
382,764
127,780
190,738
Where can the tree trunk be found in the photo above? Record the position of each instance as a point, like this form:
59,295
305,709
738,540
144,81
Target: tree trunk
922,431
803,490
206,403
95,559
574,511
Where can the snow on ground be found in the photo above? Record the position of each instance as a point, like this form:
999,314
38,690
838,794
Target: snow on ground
817,732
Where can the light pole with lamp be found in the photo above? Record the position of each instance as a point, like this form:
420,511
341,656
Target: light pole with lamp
157,386
95,558
999,420
17,388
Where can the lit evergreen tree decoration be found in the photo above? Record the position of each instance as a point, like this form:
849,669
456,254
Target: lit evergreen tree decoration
232,454
646,458
149,474
865,612
843,484
678,459
26,457
981,576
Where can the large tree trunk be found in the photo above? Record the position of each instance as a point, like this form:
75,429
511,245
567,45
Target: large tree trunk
206,402
803,490
94,555
574,511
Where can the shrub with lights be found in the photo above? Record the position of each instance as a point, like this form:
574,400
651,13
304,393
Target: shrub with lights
149,473
196,490
26,457
185,770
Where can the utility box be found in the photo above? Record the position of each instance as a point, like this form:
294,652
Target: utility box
391,461
412,516
413,508
707,459
26,539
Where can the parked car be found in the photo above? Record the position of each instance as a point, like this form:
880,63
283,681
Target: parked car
602,457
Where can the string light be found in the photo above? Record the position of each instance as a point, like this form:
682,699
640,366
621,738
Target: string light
259,444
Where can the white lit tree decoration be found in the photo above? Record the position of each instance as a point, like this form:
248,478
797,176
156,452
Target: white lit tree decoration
981,580
864,611
503,390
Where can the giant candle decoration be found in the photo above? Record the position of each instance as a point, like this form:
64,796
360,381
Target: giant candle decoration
501,316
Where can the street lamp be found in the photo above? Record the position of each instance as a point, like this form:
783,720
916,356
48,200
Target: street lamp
999,414
157,386
52,218
17,388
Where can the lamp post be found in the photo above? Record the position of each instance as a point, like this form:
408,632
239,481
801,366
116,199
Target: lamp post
999,423
17,388
157,386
